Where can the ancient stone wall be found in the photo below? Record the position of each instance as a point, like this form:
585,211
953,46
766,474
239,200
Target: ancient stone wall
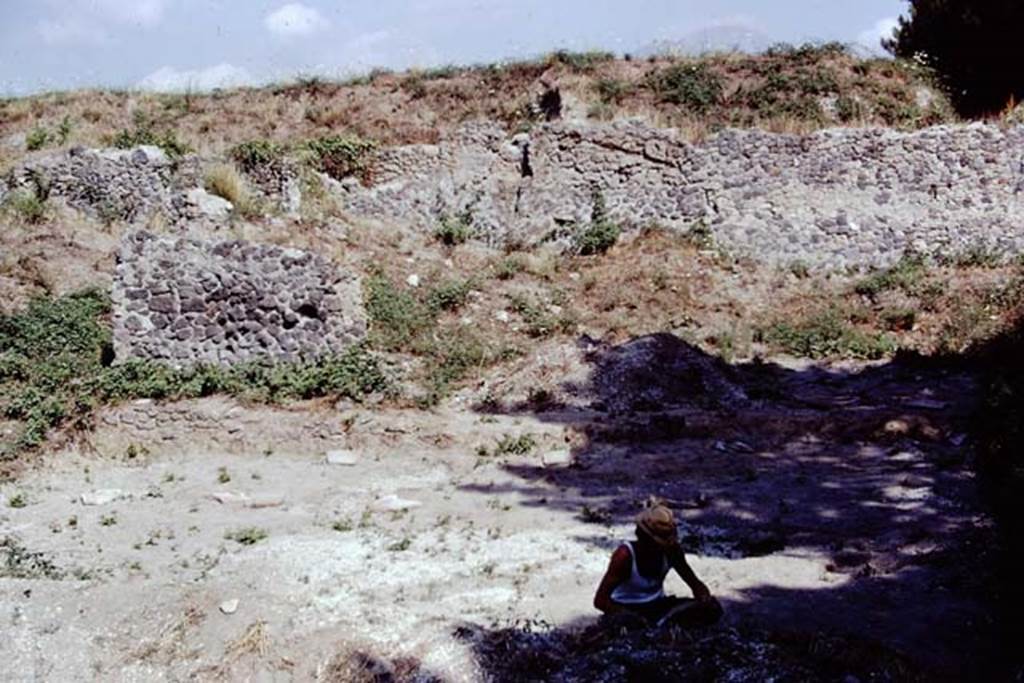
837,198
113,184
133,185
184,300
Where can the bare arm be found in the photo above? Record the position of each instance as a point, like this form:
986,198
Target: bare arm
677,558
619,569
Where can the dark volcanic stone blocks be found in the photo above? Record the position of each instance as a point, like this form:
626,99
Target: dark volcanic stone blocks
188,301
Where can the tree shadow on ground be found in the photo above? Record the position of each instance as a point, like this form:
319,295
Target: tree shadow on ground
861,474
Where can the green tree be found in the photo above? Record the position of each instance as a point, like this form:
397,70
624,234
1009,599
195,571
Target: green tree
972,47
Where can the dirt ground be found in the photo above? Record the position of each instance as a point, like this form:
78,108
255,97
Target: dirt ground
815,499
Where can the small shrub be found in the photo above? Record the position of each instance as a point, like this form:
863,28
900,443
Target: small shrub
597,238
700,236
27,206
978,255
396,316
17,562
342,157
450,295
800,270
64,131
342,525
826,334
849,109
524,444
693,86
601,234
453,356
612,90
18,500
906,275
223,476
580,61
108,520
255,155
899,318
37,138
454,230
145,133
247,536
415,84
508,267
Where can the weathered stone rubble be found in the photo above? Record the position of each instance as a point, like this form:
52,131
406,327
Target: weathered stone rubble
184,300
113,184
135,184
837,198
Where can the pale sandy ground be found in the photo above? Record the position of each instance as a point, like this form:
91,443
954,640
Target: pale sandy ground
432,535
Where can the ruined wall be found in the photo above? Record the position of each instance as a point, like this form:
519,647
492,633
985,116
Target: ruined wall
136,184
836,198
185,300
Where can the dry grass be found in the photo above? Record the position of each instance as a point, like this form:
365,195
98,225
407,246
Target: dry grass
254,642
420,107
354,665
226,182
170,645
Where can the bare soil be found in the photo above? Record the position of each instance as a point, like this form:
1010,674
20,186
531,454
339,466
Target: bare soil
817,502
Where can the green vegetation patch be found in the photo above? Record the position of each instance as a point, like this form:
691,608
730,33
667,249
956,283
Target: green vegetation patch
147,132
454,230
695,87
827,334
906,274
580,61
55,369
27,207
601,233
342,156
255,155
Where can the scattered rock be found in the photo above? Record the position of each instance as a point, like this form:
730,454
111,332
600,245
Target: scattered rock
413,280
104,496
229,606
342,457
393,503
562,458
208,205
262,502
228,497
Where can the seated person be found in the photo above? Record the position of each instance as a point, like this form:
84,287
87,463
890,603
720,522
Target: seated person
633,584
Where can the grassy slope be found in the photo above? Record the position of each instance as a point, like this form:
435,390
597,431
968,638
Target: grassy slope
790,90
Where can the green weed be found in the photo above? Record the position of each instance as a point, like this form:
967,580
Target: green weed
524,444
826,334
341,156
906,275
247,536
37,138
693,86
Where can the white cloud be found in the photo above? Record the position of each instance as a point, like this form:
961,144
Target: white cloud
71,31
295,19
872,38
146,13
90,24
169,79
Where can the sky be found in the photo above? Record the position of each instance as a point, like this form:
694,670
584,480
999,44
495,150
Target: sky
173,45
